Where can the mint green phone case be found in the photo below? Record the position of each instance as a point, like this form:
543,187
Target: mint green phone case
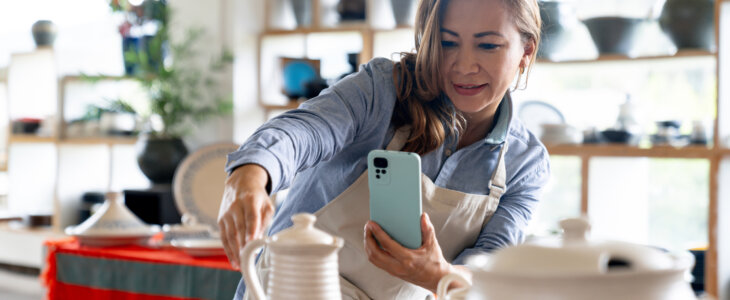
395,194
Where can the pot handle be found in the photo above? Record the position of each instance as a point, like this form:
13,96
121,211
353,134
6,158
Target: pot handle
248,268
441,289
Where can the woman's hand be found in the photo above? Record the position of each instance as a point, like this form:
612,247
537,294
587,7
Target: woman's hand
245,211
423,266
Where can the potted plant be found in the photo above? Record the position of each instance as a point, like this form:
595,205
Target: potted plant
176,85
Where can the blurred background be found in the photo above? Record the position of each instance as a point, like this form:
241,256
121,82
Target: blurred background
628,96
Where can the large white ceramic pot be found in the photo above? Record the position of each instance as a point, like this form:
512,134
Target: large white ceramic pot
303,263
577,268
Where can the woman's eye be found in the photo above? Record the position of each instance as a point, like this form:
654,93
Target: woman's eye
448,44
487,46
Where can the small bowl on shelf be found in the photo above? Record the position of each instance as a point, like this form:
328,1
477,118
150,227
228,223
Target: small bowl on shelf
618,136
614,35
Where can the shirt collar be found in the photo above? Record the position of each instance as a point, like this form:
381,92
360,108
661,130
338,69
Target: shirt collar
504,116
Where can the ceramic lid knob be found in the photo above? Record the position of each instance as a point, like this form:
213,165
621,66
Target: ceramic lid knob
303,233
575,230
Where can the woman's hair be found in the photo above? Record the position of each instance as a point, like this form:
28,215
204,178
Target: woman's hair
418,81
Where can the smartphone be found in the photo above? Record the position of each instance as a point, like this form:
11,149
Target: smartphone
394,181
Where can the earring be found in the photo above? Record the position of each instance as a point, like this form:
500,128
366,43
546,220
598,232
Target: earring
522,70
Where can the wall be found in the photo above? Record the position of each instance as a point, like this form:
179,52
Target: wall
215,17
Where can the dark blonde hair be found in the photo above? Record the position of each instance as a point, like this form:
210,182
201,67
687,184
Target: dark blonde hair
417,75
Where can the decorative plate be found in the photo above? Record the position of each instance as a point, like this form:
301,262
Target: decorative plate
199,247
199,180
535,113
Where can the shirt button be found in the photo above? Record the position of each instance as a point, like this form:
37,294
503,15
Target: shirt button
447,152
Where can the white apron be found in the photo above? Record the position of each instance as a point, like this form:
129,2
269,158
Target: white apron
457,217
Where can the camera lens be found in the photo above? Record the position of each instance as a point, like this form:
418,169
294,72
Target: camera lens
380,162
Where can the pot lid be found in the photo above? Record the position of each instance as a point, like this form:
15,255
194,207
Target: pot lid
113,219
303,233
575,253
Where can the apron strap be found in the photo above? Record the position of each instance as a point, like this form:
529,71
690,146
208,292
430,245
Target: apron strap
497,184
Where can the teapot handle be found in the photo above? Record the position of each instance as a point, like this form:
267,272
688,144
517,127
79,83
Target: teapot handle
248,260
441,289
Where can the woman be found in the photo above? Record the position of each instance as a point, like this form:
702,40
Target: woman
450,103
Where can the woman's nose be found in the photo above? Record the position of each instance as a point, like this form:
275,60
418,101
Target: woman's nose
466,62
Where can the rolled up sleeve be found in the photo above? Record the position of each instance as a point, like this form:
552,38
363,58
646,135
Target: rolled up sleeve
299,139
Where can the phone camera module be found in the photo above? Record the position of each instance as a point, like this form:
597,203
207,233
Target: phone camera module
380,162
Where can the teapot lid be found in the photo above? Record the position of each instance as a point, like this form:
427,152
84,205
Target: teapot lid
576,253
302,233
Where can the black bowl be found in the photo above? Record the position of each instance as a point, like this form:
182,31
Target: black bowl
615,35
617,136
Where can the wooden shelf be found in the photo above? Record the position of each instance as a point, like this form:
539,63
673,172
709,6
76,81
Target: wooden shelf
618,57
27,138
289,106
100,140
68,78
618,150
347,27
30,138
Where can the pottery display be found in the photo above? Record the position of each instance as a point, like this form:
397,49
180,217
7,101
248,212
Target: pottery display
557,18
190,229
560,133
200,247
112,225
44,33
577,268
303,263
198,185
351,10
404,11
690,23
158,158
302,12
614,35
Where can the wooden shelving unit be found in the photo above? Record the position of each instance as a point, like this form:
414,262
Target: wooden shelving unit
29,138
618,150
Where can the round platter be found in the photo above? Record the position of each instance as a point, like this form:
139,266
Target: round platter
199,247
199,180
535,113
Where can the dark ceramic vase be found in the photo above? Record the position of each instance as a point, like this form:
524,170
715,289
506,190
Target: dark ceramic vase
690,23
44,33
404,11
158,158
302,12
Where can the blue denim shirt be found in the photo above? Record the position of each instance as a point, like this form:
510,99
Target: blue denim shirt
321,148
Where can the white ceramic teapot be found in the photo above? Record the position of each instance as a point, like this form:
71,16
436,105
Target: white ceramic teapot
576,269
303,263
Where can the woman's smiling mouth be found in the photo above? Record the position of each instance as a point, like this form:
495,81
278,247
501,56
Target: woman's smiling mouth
468,89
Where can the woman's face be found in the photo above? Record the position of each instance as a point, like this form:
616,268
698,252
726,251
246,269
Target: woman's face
482,52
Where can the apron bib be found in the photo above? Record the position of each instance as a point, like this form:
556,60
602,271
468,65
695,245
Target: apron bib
458,218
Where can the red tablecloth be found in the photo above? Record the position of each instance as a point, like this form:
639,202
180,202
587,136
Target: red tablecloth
134,272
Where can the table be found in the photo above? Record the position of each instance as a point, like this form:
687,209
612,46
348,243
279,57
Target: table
134,272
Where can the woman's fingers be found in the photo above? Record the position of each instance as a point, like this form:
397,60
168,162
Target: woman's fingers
428,233
386,242
230,242
376,255
239,225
